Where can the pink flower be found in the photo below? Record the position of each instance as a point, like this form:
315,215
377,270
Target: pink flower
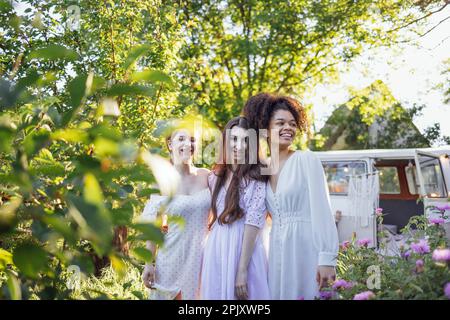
379,211
345,244
406,254
364,242
443,208
441,255
436,221
301,298
419,266
447,290
325,295
420,247
341,284
366,295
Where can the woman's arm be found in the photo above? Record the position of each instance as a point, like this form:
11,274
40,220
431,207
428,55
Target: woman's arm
150,214
255,219
148,274
248,245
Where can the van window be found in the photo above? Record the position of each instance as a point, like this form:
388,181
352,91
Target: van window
432,176
389,182
338,172
412,179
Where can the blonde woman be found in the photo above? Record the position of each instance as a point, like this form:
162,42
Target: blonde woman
175,274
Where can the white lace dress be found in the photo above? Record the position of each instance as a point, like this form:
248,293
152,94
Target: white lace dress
224,245
178,261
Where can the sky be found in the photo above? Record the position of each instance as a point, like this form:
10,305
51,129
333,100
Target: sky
412,75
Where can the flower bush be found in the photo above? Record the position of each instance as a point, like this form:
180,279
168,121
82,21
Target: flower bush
419,271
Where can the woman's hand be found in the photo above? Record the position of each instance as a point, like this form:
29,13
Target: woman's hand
148,275
241,285
325,275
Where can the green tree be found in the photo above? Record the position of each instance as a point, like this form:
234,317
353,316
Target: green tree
235,49
372,118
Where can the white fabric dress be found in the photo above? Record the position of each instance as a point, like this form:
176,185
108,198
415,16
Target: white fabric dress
179,260
303,233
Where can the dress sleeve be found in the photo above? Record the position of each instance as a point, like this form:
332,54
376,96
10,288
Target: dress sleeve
150,212
256,204
211,180
325,235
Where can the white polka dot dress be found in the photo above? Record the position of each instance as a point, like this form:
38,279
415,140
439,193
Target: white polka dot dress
179,260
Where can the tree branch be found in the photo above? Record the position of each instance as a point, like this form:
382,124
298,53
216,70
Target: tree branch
419,19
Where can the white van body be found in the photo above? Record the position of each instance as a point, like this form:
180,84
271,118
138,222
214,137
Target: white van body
410,181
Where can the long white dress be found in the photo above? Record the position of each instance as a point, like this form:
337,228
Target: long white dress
179,260
303,233
224,246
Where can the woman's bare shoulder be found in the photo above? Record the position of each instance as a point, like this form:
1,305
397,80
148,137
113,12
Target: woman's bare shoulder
202,174
203,171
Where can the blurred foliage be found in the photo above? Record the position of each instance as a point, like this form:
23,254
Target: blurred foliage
72,167
83,84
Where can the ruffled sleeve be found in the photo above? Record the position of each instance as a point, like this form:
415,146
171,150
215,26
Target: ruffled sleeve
255,203
153,205
325,236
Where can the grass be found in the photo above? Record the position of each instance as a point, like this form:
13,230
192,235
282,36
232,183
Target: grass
111,286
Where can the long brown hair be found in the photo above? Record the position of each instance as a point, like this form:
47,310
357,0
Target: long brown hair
243,173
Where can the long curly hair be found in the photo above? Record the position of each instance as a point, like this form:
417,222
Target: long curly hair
240,178
260,108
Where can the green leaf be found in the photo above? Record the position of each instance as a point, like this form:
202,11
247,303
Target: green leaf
6,137
8,94
118,265
131,90
5,259
61,226
87,163
135,54
54,52
138,294
77,89
106,147
146,192
106,131
8,213
92,191
71,135
149,232
155,76
128,188
94,220
35,141
85,263
29,80
30,259
13,283
123,215
142,254
5,6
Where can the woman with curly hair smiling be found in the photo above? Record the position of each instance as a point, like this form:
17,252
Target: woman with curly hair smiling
303,242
